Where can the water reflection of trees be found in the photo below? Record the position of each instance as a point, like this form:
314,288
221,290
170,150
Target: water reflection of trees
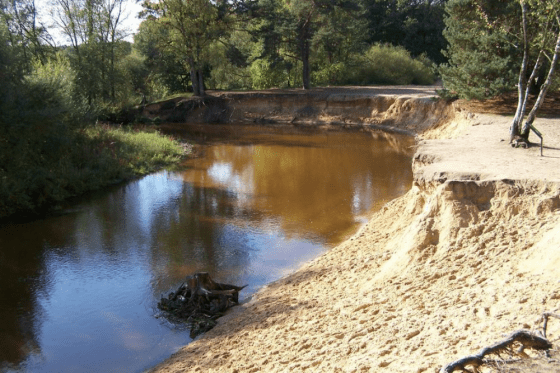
22,277
315,184
19,269
312,187
191,236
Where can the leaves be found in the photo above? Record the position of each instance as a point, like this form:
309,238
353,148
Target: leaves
482,55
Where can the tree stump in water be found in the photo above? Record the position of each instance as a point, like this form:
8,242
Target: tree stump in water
199,301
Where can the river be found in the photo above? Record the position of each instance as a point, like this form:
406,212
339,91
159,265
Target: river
78,289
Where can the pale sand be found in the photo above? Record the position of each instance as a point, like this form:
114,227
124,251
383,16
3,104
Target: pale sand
437,274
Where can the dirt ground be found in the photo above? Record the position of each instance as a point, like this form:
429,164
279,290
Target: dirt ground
470,254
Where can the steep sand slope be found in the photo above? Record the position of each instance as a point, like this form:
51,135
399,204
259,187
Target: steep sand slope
469,254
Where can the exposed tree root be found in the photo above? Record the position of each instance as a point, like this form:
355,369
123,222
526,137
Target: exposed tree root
199,301
545,317
522,338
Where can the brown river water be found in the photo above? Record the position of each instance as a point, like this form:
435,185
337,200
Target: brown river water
78,290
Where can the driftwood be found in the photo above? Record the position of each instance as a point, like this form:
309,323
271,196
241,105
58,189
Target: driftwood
199,301
523,337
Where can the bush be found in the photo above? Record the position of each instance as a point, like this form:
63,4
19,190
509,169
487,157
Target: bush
281,74
332,74
386,64
50,93
380,64
229,62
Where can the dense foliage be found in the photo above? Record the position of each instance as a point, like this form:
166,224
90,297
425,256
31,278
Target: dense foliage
289,43
415,25
483,47
49,147
486,45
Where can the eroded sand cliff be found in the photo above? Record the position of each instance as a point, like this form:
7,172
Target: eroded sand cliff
469,254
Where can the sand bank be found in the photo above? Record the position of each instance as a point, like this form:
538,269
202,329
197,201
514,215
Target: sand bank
468,255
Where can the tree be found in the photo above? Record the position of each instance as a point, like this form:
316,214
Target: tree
288,28
167,71
191,26
94,30
25,32
482,52
491,40
540,21
416,25
11,76
336,44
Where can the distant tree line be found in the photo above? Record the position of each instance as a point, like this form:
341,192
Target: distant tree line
226,44
258,44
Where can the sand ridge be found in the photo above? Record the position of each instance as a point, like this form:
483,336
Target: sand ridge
468,255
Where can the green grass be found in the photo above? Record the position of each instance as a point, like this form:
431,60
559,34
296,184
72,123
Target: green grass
134,151
44,167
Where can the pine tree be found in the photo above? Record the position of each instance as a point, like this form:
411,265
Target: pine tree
483,54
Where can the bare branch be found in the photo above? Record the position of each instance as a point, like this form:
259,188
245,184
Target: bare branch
545,317
524,337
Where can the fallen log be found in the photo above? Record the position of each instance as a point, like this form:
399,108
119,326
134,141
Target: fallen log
199,301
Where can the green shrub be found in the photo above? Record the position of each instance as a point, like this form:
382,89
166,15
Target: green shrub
50,92
380,64
229,62
386,64
265,75
282,74
332,74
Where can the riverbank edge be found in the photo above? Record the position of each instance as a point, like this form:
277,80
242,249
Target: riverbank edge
433,276
408,110
94,157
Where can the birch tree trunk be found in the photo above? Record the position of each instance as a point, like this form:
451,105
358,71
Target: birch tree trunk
544,88
522,82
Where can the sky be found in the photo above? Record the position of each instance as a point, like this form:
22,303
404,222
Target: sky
131,22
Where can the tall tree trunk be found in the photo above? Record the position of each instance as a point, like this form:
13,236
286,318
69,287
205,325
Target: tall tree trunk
522,82
305,61
194,81
194,78
304,45
544,89
201,89
112,66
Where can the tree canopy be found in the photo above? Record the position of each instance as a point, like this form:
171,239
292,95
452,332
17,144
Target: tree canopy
190,27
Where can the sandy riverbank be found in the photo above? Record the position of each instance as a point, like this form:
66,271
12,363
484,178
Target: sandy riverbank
468,255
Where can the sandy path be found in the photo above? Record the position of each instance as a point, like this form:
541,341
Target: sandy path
437,274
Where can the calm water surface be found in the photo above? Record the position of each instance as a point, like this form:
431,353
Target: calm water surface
78,291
